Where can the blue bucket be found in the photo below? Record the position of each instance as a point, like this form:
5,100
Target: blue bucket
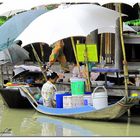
59,99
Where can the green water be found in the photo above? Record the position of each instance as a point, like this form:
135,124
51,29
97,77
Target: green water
28,122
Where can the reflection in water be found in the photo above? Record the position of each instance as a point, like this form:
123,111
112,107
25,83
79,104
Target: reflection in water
28,122
61,127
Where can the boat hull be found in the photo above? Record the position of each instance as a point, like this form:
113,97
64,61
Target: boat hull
13,98
89,112
85,112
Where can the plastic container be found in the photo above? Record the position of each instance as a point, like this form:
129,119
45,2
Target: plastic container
77,86
100,99
59,99
88,93
73,101
88,99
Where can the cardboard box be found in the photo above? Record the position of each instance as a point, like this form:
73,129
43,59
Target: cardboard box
72,101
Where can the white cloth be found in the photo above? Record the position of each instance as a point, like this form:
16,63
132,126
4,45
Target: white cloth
30,68
48,92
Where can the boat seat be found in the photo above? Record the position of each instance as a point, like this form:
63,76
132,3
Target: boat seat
65,111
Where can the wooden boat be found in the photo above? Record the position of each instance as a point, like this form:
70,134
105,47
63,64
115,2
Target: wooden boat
14,99
113,111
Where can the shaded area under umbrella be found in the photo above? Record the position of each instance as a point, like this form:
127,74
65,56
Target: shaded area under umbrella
68,50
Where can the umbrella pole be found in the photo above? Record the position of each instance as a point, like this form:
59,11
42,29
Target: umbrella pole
73,46
101,46
124,56
42,53
88,81
39,61
87,69
125,66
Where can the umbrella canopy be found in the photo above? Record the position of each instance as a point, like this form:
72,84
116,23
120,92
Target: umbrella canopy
73,20
111,29
14,54
15,25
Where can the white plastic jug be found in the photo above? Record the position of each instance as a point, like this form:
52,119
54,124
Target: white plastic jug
100,99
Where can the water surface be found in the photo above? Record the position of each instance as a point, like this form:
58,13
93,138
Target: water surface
28,122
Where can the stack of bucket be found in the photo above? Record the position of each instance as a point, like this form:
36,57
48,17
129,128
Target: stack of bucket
77,86
77,92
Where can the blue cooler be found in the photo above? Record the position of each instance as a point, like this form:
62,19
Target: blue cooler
59,99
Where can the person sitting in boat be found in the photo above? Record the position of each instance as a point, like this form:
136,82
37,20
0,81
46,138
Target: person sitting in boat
48,89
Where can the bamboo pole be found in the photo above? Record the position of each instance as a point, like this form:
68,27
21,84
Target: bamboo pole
39,61
34,103
87,69
101,47
73,46
88,80
125,67
42,53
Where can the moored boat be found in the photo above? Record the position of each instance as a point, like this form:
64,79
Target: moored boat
13,98
112,111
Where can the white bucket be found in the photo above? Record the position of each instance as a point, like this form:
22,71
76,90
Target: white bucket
100,99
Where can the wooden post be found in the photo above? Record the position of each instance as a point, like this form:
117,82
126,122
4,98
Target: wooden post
101,47
126,80
39,61
118,51
42,53
87,69
73,46
125,66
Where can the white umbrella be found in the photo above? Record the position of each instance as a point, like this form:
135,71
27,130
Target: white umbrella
15,25
14,54
111,29
75,20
